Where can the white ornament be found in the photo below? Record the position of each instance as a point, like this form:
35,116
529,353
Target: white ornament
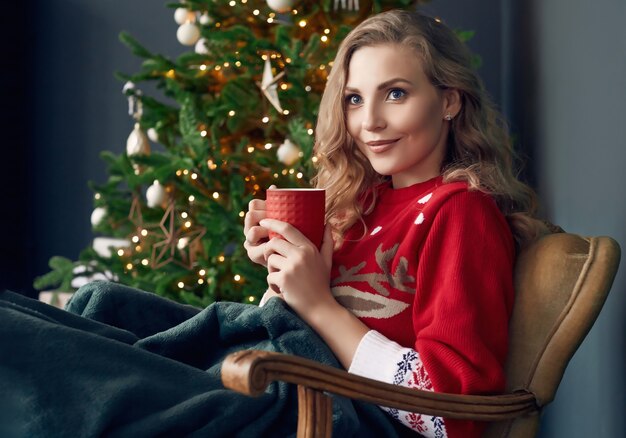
98,215
156,195
288,153
281,5
137,143
183,15
205,19
188,34
268,85
153,135
201,47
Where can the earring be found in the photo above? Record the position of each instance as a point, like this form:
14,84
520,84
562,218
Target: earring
448,117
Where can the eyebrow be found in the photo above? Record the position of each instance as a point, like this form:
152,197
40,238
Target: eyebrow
384,84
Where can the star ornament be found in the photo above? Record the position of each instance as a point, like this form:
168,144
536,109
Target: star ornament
268,85
185,242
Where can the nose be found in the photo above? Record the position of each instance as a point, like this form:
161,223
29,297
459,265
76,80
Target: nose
373,119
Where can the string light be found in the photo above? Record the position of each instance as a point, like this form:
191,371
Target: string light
184,215
203,67
185,172
181,284
286,112
309,131
202,272
291,171
238,63
97,196
179,172
138,248
288,60
256,12
218,67
242,214
265,119
194,176
284,172
251,298
129,266
275,175
270,20
283,86
231,113
144,232
135,239
237,277
203,133
250,149
268,146
211,164
307,88
171,74
232,3
192,198
188,224
120,252
299,175
200,280
221,259
145,262
326,31
324,38
302,23
315,159
216,195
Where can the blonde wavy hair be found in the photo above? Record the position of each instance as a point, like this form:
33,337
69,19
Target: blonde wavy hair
479,149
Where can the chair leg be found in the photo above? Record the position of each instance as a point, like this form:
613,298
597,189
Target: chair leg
315,414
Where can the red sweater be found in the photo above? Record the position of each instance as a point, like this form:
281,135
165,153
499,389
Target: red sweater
433,279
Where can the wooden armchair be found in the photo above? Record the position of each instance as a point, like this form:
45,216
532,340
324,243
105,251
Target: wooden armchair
561,280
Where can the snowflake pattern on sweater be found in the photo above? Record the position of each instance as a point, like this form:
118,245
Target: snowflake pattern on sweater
412,374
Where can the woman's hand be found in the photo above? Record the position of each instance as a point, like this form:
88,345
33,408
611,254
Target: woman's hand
256,236
297,269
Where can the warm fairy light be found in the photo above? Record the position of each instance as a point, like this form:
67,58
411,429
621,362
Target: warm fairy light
268,146
307,88
242,214
231,113
200,280
171,74
272,14
120,252
438,20
218,24
188,224
251,298
186,172
227,64
138,248
275,175
330,64
203,133
326,31
283,86
322,67
301,154
274,56
191,198
286,112
265,119
284,172
216,195
247,179
194,175
243,2
250,149
291,171
203,67
288,60
309,131
202,272
237,277
256,187
238,63
314,159
97,196
218,67
181,284
232,3
145,262
179,172
302,23
270,20
294,12
256,12
264,57
184,215
324,38
211,165
221,258
299,175
144,233
129,266
135,239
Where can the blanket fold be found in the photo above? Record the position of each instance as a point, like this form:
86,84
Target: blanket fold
123,362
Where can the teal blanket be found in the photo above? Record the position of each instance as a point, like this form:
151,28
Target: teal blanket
123,362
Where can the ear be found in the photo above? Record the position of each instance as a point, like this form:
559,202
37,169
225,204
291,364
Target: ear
451,102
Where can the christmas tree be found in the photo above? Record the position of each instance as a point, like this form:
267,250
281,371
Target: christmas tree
237,114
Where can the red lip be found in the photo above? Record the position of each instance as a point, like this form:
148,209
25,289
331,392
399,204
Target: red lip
381,142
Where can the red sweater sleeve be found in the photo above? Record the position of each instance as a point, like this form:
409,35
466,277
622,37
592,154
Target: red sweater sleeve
464,300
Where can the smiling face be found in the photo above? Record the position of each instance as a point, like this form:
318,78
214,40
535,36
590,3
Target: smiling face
395,115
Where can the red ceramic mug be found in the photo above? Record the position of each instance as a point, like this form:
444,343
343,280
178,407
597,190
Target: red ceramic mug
302,208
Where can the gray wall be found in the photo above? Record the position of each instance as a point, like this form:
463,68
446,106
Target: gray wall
556,67
577,98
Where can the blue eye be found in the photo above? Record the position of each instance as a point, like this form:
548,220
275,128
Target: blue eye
353,99
396,94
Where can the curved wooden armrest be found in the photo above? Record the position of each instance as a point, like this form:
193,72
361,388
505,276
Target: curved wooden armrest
251,371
